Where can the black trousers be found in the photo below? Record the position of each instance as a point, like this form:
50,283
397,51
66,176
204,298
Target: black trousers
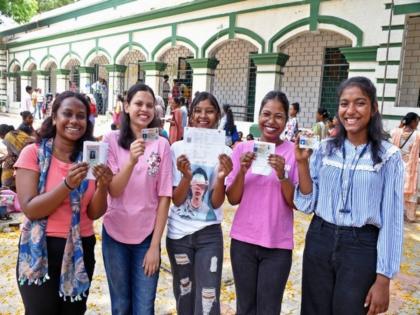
260,275
44,299
339,267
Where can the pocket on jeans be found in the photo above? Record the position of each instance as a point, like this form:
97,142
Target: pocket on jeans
367,241
315,226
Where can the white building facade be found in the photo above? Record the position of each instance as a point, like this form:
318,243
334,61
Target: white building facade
238,50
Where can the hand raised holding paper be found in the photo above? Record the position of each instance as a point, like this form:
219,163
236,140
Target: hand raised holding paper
277,162
246,161
137,148
301,154
103,175
77,174
225,166
184,166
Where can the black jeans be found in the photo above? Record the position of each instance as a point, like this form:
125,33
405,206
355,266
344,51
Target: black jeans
339,267
196,262
44,299
260,277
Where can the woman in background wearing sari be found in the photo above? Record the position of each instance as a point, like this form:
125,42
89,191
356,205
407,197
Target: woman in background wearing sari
407,139
15,141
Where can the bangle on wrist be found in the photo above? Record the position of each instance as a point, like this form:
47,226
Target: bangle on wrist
67,185
284,177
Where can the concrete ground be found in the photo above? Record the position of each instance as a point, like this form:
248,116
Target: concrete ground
405,289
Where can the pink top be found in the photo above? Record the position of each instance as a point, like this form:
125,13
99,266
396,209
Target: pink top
263,216
131,217
58,224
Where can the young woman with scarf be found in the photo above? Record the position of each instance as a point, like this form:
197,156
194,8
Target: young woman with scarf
56,250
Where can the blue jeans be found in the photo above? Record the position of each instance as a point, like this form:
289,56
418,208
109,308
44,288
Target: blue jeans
196,263
132,292
339,267
38,109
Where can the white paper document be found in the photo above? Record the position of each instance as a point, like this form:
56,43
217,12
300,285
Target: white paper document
203,146
262,151
94,153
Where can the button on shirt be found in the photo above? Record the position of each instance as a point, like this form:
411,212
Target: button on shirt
375,195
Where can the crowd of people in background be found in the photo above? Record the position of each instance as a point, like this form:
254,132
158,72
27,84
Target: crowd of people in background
353,183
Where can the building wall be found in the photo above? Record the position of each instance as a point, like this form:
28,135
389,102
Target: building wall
302,77
3,81
231,75
171,59
203,25
410,83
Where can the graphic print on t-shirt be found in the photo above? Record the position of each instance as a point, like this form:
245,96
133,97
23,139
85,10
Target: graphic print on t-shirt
198,206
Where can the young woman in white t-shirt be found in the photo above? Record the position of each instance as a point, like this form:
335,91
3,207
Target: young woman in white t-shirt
195,240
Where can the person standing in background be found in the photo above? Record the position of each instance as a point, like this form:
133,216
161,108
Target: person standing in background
176,131
407,139
166,89
292,127
176,92
40,101
320,129
26,104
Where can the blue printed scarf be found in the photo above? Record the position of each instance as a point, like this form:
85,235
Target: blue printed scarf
33,257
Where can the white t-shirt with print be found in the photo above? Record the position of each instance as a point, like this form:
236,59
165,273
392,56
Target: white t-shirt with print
196,212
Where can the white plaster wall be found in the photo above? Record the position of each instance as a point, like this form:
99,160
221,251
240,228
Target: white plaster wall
303,71
268,23
367,15
194,30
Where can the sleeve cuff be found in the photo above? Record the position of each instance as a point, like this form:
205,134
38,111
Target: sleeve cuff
387,274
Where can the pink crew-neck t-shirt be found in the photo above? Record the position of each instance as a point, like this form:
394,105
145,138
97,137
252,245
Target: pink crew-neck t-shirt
263,217
58,223
131,217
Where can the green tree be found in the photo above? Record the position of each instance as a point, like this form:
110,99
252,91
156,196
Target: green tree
23,10
46,5
19,10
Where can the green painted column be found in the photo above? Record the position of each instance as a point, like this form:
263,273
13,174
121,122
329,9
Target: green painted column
268,75
116,75
153,72
203,74
85,76
62,80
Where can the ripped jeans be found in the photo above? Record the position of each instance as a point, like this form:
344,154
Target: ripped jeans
196,263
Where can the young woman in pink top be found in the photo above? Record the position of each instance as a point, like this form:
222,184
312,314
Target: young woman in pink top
262,230
138,204
56,256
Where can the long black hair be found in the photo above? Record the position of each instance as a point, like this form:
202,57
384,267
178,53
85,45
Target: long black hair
48,129
277,96
202,96
376,131
126,134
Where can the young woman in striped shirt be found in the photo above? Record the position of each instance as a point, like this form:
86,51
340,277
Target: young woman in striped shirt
353,184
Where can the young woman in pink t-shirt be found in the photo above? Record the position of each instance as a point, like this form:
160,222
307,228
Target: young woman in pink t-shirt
138,204
56,250
262,230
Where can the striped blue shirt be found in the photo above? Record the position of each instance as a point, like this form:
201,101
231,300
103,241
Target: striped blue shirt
375,197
